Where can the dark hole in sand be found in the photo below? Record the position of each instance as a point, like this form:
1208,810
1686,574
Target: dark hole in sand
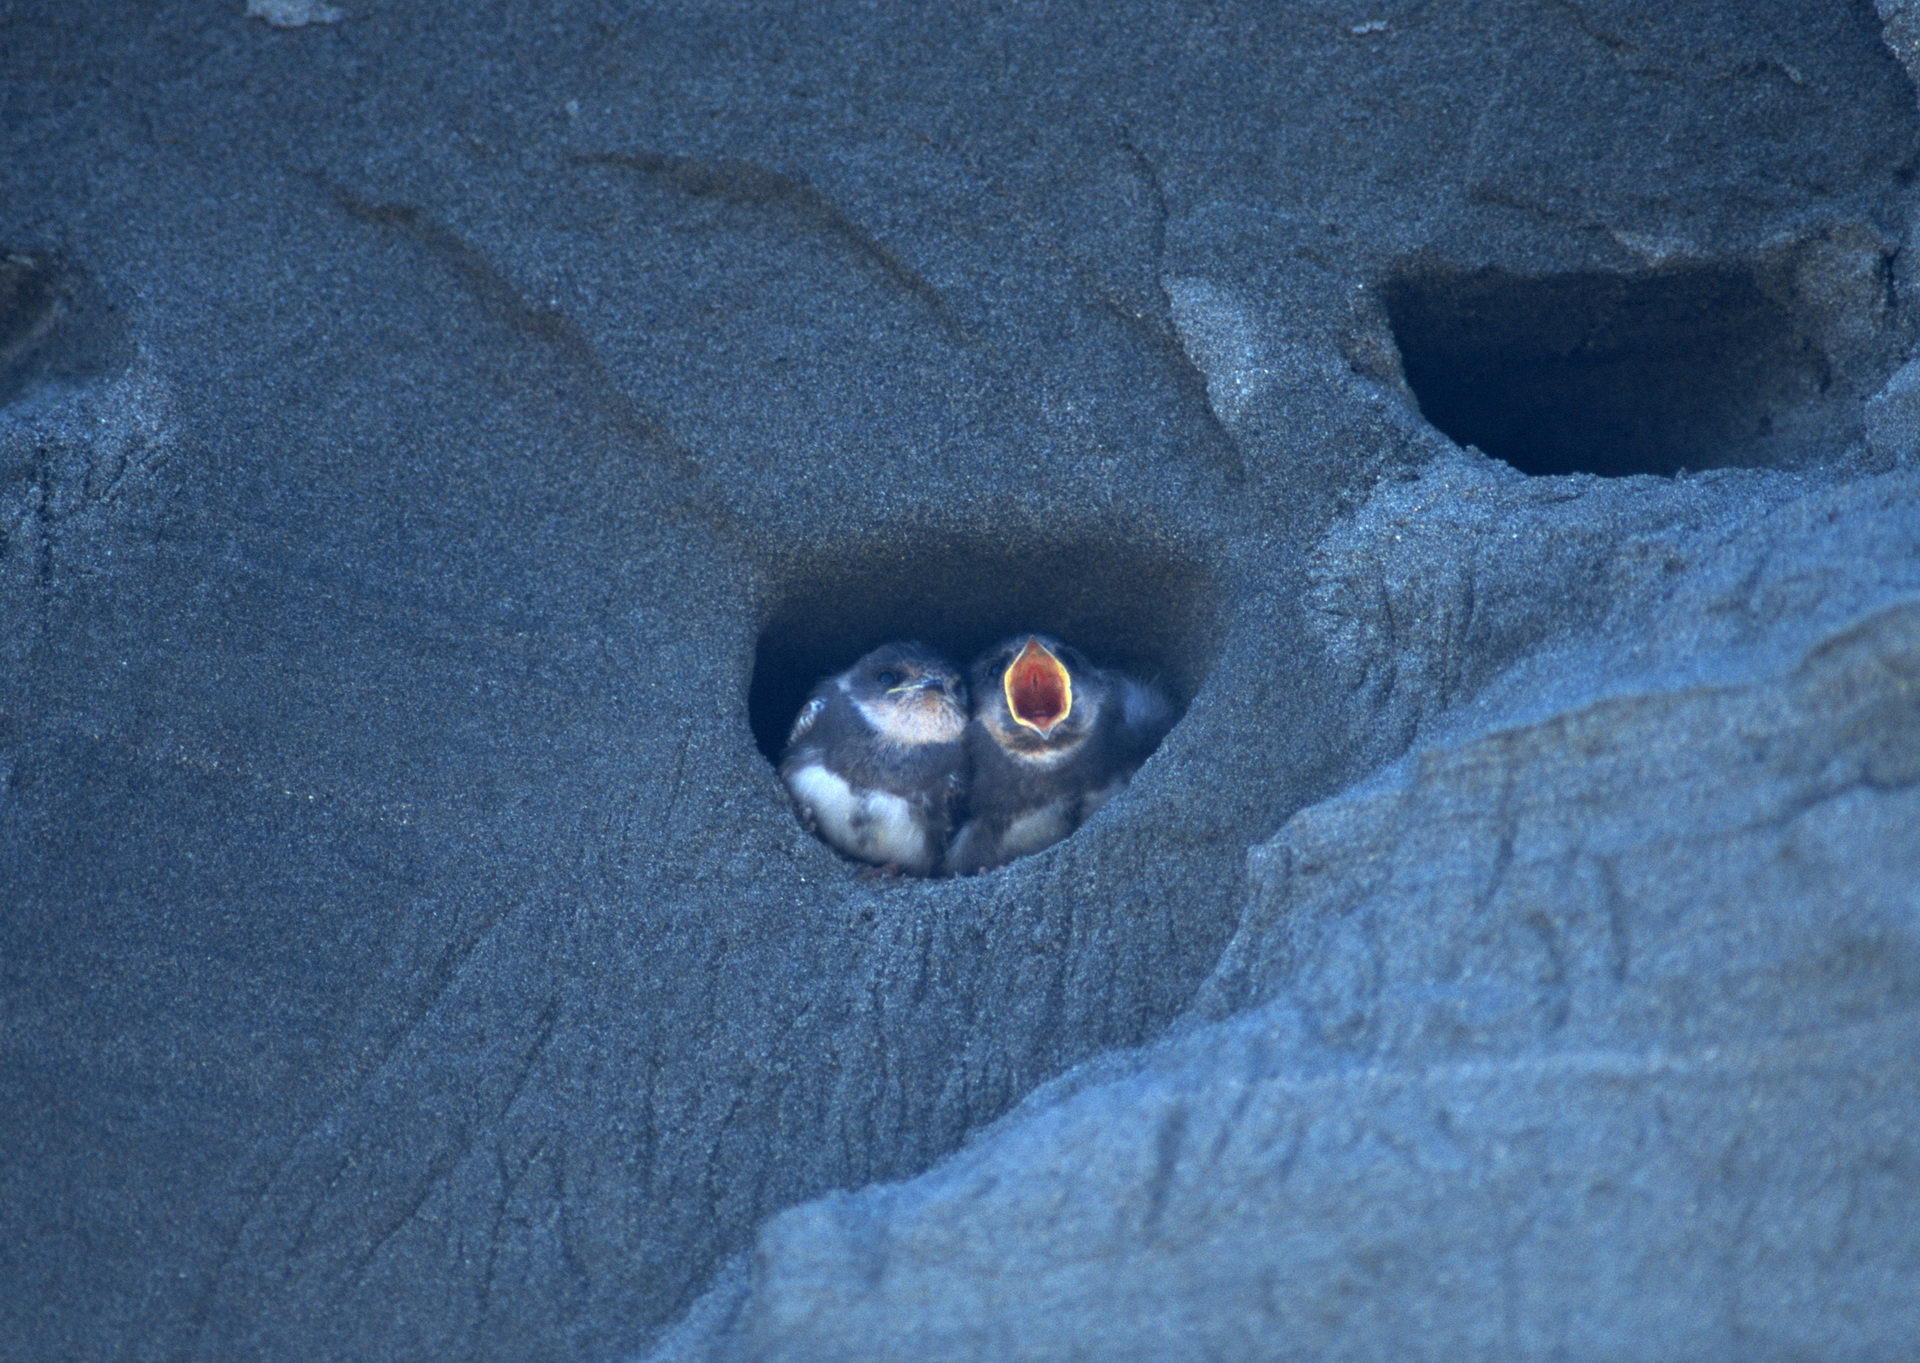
1153,614
1614,374
53,322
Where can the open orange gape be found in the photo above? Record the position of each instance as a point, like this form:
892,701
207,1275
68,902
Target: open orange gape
1039,690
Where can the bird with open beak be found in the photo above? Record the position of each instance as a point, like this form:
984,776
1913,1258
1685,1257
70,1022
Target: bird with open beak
876,763
1052,739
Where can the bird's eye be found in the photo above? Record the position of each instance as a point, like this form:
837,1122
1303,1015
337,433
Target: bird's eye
888,677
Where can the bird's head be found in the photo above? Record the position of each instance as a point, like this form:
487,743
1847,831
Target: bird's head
909,693
1037,696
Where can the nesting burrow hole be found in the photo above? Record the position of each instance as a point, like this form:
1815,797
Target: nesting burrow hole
53,322
1700,367
1137,607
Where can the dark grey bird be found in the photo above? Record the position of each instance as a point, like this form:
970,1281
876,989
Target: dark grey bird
1051,740
876,762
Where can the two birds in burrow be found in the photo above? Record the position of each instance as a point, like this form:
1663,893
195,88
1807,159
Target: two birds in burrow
902,763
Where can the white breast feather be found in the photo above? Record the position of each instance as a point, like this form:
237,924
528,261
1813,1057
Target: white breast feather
1037,828
869,824
1041,828
1095,799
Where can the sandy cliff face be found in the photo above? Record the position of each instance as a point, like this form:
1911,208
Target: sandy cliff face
440,446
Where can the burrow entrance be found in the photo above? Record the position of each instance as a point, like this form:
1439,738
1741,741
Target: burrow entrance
1138,607
1688,368
53,323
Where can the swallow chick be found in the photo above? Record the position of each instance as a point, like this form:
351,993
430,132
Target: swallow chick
1052,739
876,762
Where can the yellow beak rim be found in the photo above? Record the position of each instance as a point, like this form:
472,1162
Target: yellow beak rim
1038,687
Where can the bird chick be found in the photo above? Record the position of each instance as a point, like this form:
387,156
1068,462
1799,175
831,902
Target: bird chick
876,763
1052,738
